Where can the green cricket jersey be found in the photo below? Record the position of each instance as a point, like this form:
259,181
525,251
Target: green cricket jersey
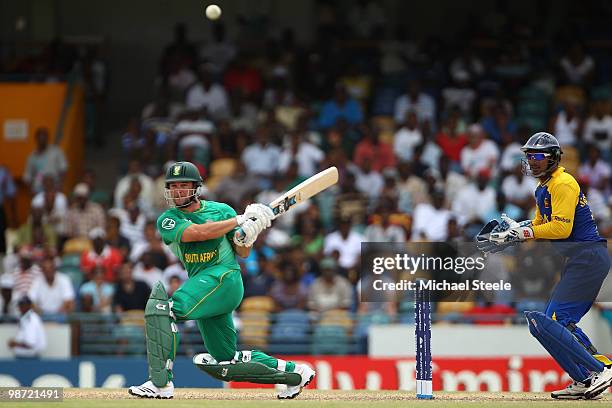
199,257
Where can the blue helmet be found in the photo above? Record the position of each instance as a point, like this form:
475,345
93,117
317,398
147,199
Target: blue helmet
542,142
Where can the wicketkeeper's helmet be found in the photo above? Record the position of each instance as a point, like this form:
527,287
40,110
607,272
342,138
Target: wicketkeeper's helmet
546,144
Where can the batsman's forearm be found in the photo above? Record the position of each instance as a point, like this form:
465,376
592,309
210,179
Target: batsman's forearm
209,230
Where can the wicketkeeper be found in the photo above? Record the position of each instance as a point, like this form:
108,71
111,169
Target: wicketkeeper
564,217
206,236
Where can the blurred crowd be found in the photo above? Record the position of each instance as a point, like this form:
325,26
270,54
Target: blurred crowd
426,136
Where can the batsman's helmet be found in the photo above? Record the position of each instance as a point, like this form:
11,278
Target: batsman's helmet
547,144
183,172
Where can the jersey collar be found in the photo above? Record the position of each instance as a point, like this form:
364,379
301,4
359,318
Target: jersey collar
559,170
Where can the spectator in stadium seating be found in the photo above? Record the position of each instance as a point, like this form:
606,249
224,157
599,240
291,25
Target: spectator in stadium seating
371,148
450,140
46,159
129,294
241,76
52,293
382,229
305,154
518,189
598,129
174,270
289,292
31,339
258,274
146,271
567,124
597,171
132,221
367,180
83,215
342,106
207,95
181,51
412,189
227,142
219,51
499,125
262,157
53,203
350,203
123,185
479,154
430,221
347,242
330,290
366,20
447,180
511,149
96,194
101,254
467,63
415,100
597,203
8,219
114,238
18,282
407,137
162,255
96,294
577,67
26,232
475,201
459,94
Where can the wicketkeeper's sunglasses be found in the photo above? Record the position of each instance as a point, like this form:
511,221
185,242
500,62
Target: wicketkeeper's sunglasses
537,156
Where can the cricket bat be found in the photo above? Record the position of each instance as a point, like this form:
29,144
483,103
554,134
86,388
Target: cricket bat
303,191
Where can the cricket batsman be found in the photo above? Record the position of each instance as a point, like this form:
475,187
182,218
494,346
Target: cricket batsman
206,236
563,216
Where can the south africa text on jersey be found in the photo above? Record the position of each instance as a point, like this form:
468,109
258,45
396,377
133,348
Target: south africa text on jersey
201,257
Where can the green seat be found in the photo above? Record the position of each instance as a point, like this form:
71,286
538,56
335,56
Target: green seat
74,273
71,260
533,93
532,108
330,340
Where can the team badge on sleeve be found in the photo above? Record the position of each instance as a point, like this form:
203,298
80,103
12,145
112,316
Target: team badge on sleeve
168,223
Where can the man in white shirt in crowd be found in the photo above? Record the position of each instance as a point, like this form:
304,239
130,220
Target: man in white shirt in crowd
407,137
123,185
330,290
475,201
415,100
598,129
31,339
205,94
346,242
305,154
367,180
53,293
430,221
46,159
261,157
519,189
480,153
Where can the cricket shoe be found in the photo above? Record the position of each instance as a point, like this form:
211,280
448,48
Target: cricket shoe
292,391
574,391
599,383
150,390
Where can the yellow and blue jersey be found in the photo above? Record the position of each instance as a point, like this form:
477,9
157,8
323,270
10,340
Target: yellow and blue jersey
562,211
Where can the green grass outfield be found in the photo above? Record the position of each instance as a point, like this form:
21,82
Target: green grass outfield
224,398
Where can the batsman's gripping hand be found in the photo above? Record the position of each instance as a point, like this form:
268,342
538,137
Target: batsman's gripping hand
514,233
247,234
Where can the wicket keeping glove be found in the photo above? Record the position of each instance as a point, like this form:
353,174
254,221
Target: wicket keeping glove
516,231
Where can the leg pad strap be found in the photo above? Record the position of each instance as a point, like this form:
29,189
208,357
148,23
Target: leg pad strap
250,371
